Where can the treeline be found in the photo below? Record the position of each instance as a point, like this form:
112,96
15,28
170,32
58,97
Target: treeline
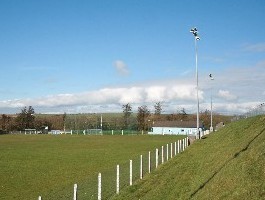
143,119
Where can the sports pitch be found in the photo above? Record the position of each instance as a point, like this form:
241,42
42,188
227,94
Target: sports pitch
49,165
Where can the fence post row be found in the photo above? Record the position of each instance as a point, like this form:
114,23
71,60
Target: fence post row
179,146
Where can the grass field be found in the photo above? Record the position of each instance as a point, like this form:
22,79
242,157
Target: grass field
49,165
228,164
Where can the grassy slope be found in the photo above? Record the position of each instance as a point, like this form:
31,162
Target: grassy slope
49,165
228,164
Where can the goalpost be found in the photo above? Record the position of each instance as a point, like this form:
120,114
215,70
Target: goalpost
93,132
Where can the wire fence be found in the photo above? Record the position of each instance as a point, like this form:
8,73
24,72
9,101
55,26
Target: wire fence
107,183
257,110
84,132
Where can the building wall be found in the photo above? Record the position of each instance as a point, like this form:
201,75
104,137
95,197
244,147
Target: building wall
172,131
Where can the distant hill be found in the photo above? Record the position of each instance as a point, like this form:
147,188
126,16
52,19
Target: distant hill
227,164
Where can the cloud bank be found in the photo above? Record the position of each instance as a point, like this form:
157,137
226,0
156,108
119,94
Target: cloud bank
230,95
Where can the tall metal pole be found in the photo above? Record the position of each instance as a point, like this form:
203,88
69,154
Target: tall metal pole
211,128
197,87
194,31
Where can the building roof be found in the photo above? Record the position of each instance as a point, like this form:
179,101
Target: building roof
179,124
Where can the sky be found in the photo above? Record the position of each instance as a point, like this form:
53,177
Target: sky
93,56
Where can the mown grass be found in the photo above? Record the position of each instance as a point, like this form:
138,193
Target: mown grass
228,164
49,165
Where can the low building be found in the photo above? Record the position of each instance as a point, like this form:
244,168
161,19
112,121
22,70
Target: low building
175,128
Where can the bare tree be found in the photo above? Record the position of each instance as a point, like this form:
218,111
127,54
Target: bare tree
183,114
127,111
142,117
158,109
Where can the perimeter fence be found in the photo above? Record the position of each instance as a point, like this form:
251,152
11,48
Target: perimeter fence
109,182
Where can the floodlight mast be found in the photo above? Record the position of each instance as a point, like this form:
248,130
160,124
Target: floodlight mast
211,128
194,31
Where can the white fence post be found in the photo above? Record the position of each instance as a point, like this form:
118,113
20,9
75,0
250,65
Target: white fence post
171,149
162,155
156,158
141,167
111,132
39,198
178,146
130,172
71,132
167,152
75,191
121,132
175,148
99,186
183,146
149,162
118,180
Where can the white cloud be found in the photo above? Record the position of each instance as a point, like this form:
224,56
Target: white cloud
108,96
236,94
121,67
225,94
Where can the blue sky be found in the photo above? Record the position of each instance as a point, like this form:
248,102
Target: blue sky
94,56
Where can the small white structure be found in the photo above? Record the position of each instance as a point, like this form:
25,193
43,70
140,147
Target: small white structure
56,132
174,128
30,131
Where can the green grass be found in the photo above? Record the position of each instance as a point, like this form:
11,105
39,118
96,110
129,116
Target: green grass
49,165
228,164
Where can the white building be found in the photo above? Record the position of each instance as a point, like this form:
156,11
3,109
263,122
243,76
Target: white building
174,128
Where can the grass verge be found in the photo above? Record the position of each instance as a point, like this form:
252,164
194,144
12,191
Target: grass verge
228,164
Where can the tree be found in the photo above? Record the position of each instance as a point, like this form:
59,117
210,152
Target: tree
127,111
205,118
142,117
26,118
64,120
183,114
158,108
5,122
